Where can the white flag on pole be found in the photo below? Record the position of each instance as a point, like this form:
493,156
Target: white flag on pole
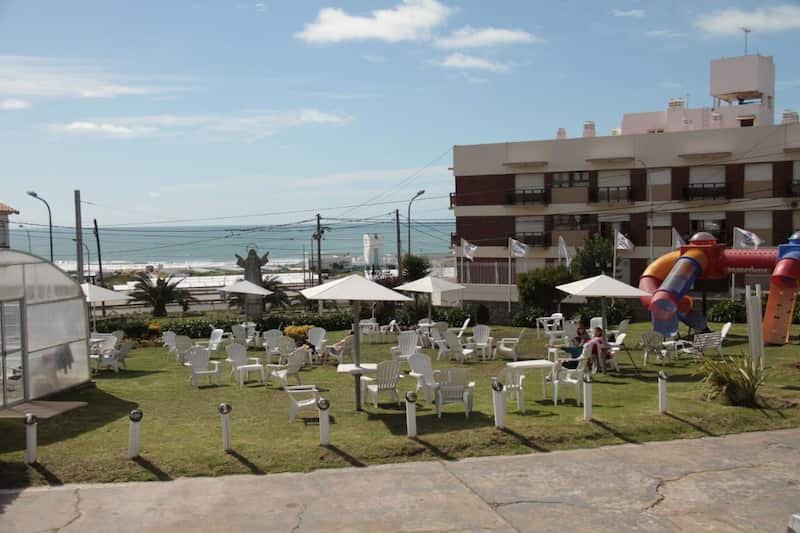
563,251
623,243
677,240
518,249
745,239
468,249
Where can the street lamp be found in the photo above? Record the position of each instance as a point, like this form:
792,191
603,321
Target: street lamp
419,193
88,258
49,219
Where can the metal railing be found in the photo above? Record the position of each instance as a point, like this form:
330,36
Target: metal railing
794,188
705,191
534,238
527,196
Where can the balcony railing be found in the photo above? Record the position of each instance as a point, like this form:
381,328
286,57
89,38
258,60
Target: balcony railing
621,193
452,200
705,191
527,196
794,188
532,238
455,240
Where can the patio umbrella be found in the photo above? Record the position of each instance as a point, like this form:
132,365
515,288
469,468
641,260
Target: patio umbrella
94,293
602,287
430,285
356,290
246,287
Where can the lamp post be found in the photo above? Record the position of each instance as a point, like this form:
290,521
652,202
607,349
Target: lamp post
49,219
650,201
88,258
419,193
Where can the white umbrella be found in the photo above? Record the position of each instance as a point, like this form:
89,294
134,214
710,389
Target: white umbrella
602,287
430,285
246,287
94,293
354,289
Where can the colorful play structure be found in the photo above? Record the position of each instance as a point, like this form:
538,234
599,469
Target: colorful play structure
670,278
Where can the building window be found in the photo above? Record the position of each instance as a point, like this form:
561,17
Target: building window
580,179
714,227
657,130
570,179
564,222
561,179
747,122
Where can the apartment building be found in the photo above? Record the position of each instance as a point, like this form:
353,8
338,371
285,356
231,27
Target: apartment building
706,169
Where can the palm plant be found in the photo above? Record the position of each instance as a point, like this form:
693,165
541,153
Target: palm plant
159,292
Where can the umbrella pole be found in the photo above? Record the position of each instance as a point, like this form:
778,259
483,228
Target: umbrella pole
603,314
357,352
430,306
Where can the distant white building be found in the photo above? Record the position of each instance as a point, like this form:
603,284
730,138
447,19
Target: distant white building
373,249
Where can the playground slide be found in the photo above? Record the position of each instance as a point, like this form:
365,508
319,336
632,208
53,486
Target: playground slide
780,305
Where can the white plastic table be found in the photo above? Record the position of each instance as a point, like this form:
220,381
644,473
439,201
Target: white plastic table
542,364
353,370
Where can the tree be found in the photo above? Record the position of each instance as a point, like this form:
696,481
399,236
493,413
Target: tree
595,257
279,296
537,288
415,267
160,292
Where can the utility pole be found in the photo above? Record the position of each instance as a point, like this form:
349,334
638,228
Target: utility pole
99,262
318,236
79,235
399,247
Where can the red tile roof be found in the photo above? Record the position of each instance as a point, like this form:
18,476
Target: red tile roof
6,209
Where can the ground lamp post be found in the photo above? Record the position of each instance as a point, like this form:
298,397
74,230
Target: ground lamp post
49,219
356,290
419,193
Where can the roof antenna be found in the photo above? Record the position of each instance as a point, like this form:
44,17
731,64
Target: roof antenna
745,30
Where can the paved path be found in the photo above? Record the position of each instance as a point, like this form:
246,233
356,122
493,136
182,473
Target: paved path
748,482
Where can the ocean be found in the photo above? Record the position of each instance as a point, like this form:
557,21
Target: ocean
214,247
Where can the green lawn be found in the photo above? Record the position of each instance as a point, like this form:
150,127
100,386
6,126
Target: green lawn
181,434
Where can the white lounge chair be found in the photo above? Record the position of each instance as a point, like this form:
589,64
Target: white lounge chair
202,365
168,340
457,350
509,346
385,380
453,388
652,344
214,339
514,379
316,338
241,365
407,345
113,359
622,328
460,331
295,362
301,397
567,376
438,341
422,369
182,346
702,343
340,350
482,341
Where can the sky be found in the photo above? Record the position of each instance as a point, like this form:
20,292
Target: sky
262,112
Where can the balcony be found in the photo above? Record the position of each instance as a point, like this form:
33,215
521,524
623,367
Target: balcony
794,188
532,238
705,191
452,200
621,193
526,196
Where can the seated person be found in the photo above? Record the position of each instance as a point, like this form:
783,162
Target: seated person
599,349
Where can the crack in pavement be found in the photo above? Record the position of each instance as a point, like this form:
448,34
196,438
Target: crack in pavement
299,518
662,483
76,509
522,502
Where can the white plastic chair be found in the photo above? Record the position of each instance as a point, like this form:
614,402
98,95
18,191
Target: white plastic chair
368,328
214,339
341,349
301,397
569,376
622,328
457,350
460,331
652,344
386,377
182,346
202,365
596,322
422,369
286,346
726,328
241,365
613,349
453,388
438,341
513,380
271,342
406,345
113,359
168,340
508,346
482,340
316,338
295,361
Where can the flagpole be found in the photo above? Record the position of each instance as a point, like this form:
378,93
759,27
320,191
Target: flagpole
509,275
614,261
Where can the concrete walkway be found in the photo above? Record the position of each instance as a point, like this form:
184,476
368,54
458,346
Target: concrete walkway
748,482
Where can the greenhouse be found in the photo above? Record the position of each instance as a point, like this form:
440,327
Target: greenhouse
43,329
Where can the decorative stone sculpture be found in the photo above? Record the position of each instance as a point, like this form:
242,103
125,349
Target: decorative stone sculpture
253,304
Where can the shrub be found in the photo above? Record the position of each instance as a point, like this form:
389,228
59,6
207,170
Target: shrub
737,379
415,267
526,317
537,288
728,311
480,313
454,316
616,312
298,333
135,328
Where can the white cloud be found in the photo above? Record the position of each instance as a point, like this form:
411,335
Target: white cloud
636,13
248,126
14,104
409,21
764,19
48,77
463,61
663,33
469,37
374,59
